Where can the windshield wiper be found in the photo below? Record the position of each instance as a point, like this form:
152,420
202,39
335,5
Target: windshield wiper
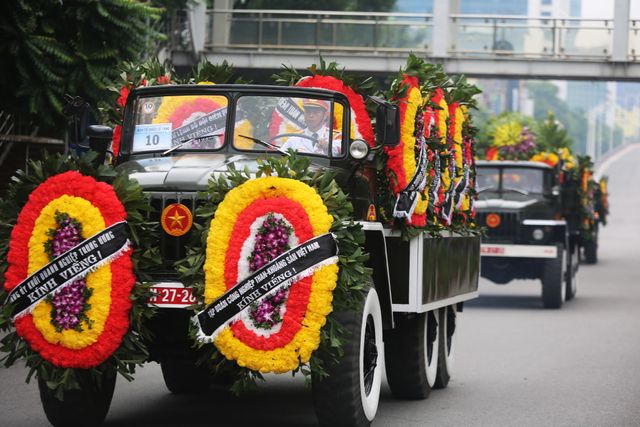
188,140
266,144
517,190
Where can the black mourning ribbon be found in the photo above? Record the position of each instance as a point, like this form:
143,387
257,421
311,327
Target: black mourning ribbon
70,266
288,267
407,199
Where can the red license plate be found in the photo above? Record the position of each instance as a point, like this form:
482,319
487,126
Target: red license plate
171,295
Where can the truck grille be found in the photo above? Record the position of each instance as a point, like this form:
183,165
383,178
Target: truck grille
507,230
172,248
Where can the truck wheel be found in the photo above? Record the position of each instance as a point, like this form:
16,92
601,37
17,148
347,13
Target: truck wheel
411,356
590,252
183,376
349,395
553,286
571,273
87,406
447,345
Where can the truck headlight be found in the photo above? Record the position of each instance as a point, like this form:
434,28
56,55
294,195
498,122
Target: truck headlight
538,234
359,149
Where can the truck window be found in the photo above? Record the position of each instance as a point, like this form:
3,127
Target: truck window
306,125
488,179
192,122
525,180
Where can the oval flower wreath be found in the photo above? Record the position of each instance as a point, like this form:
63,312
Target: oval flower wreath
256,222
94,322
82,324
255,219
402,158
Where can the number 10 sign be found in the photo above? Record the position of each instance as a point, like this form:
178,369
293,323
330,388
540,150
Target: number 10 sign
152,137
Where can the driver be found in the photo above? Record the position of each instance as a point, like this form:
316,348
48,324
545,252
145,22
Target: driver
317,132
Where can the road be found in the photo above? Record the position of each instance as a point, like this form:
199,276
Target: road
517,364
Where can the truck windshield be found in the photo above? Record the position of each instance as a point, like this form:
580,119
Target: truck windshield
519,180
523,180
306,125
176,123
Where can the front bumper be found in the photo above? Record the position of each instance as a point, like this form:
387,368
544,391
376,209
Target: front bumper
518,251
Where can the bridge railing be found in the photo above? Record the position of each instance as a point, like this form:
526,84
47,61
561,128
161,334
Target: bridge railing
634,40
493,36
521,36
318,30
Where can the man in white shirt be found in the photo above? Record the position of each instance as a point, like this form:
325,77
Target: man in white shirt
317,133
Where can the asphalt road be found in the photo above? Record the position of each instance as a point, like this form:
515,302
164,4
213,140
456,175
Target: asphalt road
517,364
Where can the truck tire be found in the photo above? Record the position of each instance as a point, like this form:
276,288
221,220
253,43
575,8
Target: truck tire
571,273
349,395
447,345
183,376
553,284
590,252
85,407
411,356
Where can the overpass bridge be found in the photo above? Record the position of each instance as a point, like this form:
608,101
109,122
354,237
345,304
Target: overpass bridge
476,45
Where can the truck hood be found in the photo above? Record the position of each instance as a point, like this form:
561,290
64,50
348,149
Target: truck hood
183,172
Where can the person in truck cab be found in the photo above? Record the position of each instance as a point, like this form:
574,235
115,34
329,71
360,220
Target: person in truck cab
317,132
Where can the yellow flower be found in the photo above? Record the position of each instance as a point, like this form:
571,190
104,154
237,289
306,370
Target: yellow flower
443,115
407,132
507,134
99,281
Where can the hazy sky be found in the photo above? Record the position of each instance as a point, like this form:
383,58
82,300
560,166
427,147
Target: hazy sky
604,9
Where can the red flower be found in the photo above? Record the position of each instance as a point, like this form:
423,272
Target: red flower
124,94
115,143
163,80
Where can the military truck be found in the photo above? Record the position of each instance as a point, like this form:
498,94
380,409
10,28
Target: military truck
409,318
531,232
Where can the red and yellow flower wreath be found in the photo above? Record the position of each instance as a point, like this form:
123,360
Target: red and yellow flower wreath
402,158
95,206
309,300
442,116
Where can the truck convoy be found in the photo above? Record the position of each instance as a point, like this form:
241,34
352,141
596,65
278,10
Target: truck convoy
541,209
285,246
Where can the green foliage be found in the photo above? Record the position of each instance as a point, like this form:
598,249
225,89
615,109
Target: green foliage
215,73
132,351
464,92
289,76
52,47
352,279
551,135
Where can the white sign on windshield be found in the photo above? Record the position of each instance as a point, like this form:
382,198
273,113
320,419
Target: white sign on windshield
152,137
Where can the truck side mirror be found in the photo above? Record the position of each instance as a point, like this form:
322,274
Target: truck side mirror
99,140
387,123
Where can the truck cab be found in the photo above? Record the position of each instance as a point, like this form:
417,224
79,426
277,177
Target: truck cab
522,208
